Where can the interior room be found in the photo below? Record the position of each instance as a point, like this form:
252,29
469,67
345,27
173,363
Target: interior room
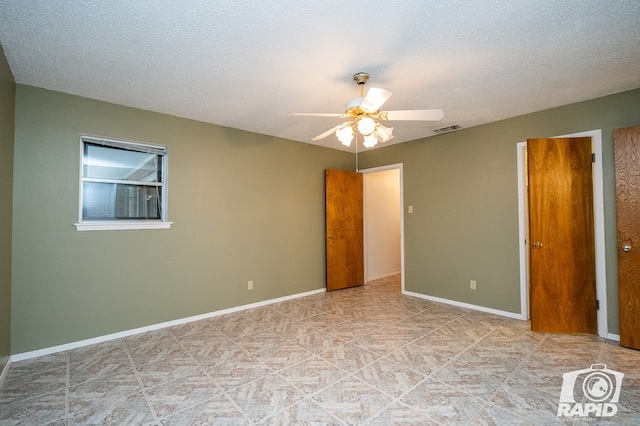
204,300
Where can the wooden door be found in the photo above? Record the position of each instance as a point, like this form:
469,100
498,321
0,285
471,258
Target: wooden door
561,236
627,165
344,229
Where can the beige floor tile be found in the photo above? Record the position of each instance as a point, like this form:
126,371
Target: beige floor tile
352,330
20,369
117,387
443,403
256,342
383,342
238,370
35,410
294,330
297,311
182,393
284,355
422,359
325,320
156,351
528,402
427,321
167,370
36,384
349,357
218,410
390,377
217,352
148,338
319,342
446,343
113,347
365,355
97,367
201,326
489,361
492,415
199,339
130,411
265,397
305,412
352,400
472,378
518,345
621,359
240,328
312,375
401,415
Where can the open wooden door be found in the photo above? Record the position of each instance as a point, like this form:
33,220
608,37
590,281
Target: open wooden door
627,170
344,229
561,236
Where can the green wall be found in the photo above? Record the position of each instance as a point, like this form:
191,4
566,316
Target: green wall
244,207
7,106
463,186
251,207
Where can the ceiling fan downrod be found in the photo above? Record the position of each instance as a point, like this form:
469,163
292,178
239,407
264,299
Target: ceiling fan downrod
361,78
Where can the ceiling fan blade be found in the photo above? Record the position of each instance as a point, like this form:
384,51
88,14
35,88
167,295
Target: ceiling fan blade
374,99
414,115
330,131
317,114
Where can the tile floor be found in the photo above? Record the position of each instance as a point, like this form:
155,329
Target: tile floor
365,355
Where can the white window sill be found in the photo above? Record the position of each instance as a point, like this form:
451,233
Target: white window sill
120,225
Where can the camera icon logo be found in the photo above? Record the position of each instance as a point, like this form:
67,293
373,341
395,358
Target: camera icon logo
593,391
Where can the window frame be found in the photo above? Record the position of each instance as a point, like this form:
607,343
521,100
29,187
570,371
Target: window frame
123,224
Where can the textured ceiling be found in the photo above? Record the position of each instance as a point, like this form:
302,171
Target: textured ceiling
248,64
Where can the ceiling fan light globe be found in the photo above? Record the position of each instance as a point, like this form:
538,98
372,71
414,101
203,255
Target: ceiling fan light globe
345,135
383,133
346,141
366,125
370,141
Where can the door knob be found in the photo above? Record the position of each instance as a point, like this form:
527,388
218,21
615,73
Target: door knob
626,247
329,236
537,244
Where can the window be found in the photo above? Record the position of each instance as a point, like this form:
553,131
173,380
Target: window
122,185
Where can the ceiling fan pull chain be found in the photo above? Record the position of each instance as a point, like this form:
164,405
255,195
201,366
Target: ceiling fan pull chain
356,152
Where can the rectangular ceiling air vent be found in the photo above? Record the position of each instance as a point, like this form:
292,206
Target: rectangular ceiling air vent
448,129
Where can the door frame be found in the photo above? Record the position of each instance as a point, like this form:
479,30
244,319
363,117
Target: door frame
397,166
598,206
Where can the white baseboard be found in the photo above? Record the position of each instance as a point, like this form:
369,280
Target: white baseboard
610,336
126,333
4,371
466,305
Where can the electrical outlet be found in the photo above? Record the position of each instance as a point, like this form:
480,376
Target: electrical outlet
472,284
250,285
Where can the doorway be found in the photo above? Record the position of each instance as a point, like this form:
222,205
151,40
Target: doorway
383,222
598,201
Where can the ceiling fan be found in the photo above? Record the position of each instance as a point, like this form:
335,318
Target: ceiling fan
364,115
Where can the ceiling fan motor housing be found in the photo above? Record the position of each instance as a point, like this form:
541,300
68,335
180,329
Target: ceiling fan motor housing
352,107
361,77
